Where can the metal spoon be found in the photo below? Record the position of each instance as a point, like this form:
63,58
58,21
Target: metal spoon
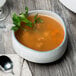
6,64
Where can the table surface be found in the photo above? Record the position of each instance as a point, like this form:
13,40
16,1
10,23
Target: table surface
66,66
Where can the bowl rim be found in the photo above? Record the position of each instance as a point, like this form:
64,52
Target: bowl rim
60,45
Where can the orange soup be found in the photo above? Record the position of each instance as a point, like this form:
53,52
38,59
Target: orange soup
48,35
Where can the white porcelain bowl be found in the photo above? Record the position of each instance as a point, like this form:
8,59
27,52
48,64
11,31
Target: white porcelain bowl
37,56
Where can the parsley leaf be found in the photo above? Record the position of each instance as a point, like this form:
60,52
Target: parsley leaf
26,11
29,24
37,19
14,28
16,20
22,17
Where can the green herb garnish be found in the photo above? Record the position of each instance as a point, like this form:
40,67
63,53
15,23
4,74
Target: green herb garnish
23,17
37,19
26,11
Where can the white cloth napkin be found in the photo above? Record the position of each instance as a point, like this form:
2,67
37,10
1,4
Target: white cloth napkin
21,67
70,4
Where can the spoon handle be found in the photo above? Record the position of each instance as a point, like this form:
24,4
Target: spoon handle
12,72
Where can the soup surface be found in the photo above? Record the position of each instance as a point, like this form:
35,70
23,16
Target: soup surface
48,35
